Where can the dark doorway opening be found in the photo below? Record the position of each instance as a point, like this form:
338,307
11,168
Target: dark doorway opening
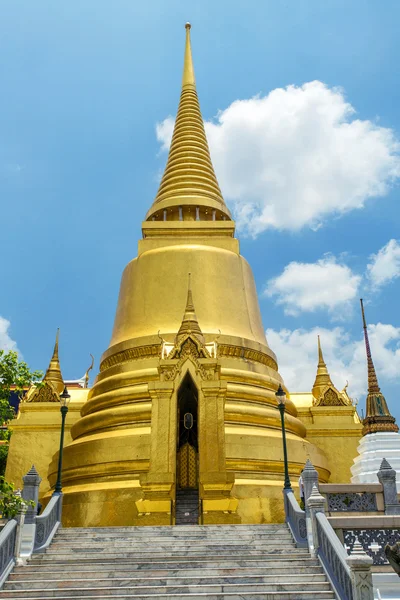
187,496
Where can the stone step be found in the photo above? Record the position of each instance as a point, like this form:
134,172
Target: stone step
273,563
277,536
165,589
212,544
265,595
34,574
170,528
176,556
277,539
179,557
126,582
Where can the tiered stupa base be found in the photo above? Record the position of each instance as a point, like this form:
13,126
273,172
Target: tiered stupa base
373,448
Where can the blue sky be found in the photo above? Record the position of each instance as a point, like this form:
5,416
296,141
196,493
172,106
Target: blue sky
84,86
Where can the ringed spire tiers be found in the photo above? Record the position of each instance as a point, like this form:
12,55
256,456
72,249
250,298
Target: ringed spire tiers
189,189
53,372
190,324
378,417
322,379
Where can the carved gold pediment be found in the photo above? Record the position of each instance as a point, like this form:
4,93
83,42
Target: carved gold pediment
189,346
330,396
45,393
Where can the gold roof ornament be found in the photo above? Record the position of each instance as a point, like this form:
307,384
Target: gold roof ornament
324,392
378,417
190,325
189,183
53,383
86,375
53,373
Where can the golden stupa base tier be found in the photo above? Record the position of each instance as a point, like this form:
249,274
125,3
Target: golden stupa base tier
256,501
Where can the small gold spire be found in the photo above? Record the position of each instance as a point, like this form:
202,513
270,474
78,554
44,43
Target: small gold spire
324,391
378,417
189,179
190,324
188,78
53,373
322,379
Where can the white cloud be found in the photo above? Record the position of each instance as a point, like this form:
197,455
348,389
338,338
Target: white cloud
296,351
164,131
296,157
6,343
385,265
307,287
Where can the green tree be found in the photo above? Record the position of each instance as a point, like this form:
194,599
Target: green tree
15,376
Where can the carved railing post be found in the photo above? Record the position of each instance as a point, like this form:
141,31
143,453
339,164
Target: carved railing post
310,478
20,518
30,491
387,477
315,504
361,575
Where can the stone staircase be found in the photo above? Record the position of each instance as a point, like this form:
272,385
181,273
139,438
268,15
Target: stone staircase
187,507
229,562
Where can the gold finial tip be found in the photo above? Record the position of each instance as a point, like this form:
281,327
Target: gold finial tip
188,26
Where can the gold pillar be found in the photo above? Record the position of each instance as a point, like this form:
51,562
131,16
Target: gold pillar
158,485
217,505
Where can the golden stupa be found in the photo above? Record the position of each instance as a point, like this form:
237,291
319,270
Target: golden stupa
184,353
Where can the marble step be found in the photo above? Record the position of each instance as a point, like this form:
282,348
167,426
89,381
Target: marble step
193,533
193,539
296,595
33,573
170,528
78,559
213,588
104,556
268,543
201,579
266,563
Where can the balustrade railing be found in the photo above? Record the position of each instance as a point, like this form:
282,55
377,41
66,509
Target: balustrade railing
333,557
47,524
296,519
8,538
372,540
352,502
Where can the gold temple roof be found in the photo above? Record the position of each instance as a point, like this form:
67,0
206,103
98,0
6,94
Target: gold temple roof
324,392
189,179
53,373
378,417
322,379
53,383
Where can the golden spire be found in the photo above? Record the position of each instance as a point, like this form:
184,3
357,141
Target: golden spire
378,417
190,324
322,379
53,373
189,189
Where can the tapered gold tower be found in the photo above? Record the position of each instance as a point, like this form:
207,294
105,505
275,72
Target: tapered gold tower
184,402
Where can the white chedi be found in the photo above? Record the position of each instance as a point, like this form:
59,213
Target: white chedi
373,448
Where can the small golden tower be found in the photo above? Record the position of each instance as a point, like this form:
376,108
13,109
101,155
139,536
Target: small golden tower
324,392
53,383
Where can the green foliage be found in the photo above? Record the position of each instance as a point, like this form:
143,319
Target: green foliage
3,458
13,372
10,502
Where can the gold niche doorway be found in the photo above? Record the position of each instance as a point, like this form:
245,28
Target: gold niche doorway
187,455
